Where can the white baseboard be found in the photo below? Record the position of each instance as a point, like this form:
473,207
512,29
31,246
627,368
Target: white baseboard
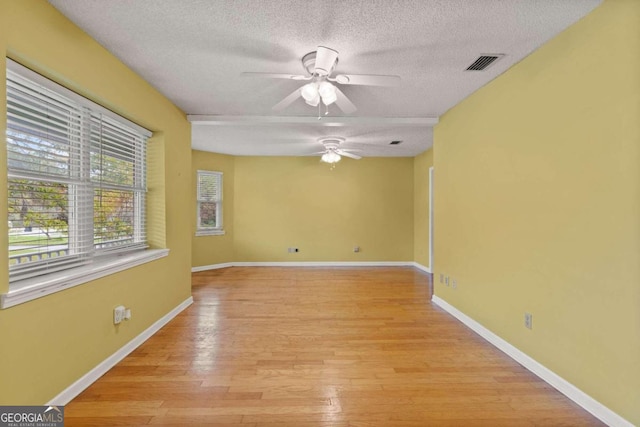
90,377
596,408
325,264
211,267
422,267
308,264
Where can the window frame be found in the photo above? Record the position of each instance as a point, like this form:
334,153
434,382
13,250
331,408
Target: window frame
218,230
101,263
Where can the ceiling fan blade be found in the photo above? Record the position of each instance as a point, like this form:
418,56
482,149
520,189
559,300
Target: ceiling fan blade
325,60
343,102
287,101
367,80
277,76
347,154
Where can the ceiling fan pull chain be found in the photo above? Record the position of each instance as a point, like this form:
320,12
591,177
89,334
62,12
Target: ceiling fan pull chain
326,112
319,111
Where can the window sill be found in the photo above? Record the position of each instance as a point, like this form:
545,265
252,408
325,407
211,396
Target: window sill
210,233
36,287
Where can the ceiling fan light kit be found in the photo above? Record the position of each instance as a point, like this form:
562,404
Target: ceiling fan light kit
327,92
315,91
313,101
330,157
310,92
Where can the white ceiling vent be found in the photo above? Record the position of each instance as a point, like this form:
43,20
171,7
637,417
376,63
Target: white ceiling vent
484,61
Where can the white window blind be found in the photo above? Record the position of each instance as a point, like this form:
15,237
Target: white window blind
209,195
118,177
76,174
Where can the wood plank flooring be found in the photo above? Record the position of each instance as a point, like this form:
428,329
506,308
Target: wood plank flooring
319,347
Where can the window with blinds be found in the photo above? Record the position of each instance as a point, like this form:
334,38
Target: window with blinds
76,178
209,199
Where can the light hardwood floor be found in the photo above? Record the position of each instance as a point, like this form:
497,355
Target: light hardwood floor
319,347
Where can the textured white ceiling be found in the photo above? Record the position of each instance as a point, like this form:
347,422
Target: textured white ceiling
194,52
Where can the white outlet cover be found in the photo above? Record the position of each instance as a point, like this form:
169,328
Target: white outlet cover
528,320
118,314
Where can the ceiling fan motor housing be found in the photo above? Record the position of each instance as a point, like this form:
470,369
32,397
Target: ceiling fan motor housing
332,142
309,63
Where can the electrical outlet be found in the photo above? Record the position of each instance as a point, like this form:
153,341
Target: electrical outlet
528,320
356,249
441,278
446,280
118,314
454,285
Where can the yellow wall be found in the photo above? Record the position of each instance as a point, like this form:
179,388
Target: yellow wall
537,209
48,343
283,202
421,165
208,250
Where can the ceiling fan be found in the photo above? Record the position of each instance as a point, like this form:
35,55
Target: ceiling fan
332,152
321,89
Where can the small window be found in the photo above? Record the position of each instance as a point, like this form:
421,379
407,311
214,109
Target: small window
209,203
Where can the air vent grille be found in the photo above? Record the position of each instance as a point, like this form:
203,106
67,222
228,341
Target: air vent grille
395,142
483,62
